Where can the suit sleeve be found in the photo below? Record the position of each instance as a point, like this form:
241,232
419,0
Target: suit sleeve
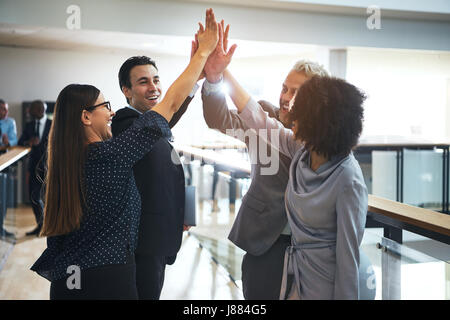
218,116
25,137
177,115
270,129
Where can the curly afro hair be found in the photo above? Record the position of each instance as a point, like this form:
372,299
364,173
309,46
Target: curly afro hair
329,115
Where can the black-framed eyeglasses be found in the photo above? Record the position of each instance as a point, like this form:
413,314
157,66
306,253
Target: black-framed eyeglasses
107,104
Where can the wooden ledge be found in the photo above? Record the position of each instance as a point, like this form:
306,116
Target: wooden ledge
423,218
12,155
213,157
220,145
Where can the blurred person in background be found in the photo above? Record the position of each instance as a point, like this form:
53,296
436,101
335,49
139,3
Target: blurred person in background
35,136
8,128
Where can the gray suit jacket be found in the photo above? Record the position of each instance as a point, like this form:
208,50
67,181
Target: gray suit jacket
262,215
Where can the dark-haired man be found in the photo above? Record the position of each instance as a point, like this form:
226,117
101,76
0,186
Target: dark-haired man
35,135
159,179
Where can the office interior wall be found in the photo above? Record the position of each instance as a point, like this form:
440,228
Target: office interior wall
29,74
407,91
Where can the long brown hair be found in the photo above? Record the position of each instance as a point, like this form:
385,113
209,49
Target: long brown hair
64,194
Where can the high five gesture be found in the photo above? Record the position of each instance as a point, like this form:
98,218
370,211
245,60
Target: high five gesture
207,37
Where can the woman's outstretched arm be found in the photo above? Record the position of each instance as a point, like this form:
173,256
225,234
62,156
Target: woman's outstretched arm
179,90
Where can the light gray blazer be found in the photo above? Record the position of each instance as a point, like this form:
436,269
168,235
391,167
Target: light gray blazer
262,215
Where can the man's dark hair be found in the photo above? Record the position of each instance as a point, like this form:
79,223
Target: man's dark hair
2,101
38,104
124,72
329,115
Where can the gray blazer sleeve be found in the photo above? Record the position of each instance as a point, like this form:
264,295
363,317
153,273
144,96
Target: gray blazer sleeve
218,116
351,210
270,129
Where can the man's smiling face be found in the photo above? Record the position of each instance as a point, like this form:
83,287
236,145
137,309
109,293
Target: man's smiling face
145,91
291,84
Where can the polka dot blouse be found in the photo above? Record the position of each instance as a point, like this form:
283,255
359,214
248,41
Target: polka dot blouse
109,228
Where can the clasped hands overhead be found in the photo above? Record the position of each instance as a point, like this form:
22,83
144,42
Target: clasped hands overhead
212,40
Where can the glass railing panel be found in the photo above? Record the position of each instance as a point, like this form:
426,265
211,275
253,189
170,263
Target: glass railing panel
422,178
395,271
224,253
403,273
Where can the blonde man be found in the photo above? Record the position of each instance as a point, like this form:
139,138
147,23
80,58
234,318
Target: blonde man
261,228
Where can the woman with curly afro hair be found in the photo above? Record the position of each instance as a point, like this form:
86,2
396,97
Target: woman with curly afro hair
326,197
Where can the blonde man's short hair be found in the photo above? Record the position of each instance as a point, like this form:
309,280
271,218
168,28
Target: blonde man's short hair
310,68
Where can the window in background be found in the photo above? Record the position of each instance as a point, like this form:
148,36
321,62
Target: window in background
407,92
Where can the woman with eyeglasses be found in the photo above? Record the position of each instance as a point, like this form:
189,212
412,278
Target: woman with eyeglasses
92,204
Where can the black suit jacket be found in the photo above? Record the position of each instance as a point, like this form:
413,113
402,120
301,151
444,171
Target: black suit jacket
161,186
39,150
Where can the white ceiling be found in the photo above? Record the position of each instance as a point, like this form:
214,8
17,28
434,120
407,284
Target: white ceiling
63,39
438,10
340,23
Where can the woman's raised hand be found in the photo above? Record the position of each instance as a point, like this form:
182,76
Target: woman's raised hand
208,36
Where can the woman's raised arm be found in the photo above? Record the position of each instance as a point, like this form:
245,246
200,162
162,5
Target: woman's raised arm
179,90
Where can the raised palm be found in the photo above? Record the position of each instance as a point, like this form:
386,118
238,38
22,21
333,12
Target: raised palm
207,36
220,58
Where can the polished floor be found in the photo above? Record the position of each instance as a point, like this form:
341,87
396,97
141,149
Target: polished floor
17,282
194,275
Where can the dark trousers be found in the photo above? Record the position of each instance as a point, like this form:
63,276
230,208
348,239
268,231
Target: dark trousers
150,271
261,275
34,191
111,282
